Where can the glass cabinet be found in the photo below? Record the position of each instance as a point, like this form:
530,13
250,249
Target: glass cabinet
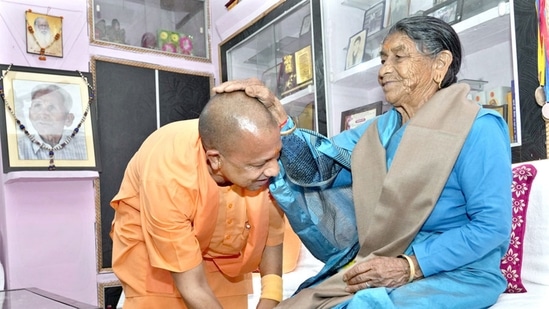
174,27
279,50
484,28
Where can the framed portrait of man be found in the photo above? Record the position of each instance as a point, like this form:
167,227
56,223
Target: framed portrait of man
355,49
44,34
48,120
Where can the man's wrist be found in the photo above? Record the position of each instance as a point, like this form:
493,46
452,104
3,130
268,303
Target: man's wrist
271,287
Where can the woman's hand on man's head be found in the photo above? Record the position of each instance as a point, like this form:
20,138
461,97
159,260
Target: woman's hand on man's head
256,89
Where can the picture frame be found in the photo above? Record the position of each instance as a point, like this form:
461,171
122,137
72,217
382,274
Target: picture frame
373,18
352,118
417,7
64,139
355,49
449,11
304,66
398,9
109,294
44,34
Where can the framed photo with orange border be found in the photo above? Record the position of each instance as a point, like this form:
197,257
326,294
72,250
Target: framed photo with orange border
44,34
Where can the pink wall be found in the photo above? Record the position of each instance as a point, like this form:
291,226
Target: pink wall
47,234
49,240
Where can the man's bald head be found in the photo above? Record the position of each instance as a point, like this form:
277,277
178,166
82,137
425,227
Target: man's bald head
229,117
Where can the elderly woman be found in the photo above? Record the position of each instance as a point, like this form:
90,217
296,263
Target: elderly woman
430,181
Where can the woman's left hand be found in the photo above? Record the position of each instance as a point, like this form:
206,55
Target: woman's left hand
376,272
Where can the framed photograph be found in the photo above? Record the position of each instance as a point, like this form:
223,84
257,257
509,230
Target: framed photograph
398,9
373,18
44,34
47,118
355,49
449,11
417,7
354,117
304,65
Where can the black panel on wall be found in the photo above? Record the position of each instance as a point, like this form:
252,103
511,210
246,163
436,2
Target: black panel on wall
533,126
182,96
126,100
127,115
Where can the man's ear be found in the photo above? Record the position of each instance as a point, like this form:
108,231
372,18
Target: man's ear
69,119
214,157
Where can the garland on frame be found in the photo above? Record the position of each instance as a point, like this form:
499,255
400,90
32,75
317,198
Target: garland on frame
42,51
32,137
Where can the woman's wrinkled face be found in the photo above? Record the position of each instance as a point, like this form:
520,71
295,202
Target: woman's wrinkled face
406,75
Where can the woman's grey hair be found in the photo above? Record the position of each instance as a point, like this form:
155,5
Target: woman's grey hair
433,35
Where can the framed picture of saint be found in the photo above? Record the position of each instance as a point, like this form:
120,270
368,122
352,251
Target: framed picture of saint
44,34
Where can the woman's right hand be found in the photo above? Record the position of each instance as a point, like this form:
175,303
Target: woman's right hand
256,89
380,271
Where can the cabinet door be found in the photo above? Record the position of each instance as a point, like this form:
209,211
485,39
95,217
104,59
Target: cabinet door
177,28
279,50
487,40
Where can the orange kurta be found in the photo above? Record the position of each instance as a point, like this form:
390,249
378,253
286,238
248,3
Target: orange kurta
170,216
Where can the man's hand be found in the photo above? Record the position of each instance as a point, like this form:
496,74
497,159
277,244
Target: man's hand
265,303
256,89
195,290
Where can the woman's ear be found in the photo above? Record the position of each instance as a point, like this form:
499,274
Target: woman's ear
440,66
443,61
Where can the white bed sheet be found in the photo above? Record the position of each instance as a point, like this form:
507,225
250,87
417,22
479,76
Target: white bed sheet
536,297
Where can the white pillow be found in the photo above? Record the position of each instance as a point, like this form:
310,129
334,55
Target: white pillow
535,265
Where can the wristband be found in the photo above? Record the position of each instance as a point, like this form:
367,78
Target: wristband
412,267
271,287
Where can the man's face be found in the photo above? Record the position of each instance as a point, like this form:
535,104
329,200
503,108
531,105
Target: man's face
254,162
42,26
49,115
356,47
